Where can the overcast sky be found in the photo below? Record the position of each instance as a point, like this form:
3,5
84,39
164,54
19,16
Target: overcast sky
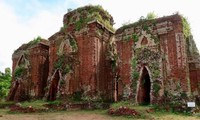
24,20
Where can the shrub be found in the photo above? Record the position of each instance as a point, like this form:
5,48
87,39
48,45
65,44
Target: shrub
19,71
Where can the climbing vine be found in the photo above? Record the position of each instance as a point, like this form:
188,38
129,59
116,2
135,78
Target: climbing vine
134,62
191,46
112,53
134,75
186,27
138,27
156,88
145,56
62,64
73,44
80,24
135,37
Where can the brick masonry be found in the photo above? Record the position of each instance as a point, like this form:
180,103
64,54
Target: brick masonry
86,56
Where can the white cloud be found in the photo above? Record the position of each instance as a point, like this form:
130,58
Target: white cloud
15,32
80,2
44,24
8,35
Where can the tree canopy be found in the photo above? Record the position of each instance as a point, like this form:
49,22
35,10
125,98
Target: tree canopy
5,82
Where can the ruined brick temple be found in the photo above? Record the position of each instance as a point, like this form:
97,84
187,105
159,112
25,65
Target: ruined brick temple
87,57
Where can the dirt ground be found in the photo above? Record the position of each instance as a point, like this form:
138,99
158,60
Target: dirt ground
55,117
64,115
84,115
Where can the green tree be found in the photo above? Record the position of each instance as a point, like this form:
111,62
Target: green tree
151,16
5,82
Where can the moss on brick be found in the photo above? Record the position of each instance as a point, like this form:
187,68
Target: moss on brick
81,16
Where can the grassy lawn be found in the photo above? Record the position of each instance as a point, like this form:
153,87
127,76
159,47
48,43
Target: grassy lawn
92,114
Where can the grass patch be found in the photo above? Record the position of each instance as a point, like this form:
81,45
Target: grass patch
99,113
172,116
38,104
140,109
4,111
119,104
56,102
4,104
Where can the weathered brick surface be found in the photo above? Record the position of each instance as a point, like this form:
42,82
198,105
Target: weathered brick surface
172,49
173,46
91,70
87,57
32,81
39,68
125,52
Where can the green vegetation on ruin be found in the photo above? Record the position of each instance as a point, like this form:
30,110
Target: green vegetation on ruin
143,21
191,48
73,44
156,88
90,13
135,37
186,27
60,64
149,112
151,16
19,70
29,44
62,29
140,22
143,24
145,55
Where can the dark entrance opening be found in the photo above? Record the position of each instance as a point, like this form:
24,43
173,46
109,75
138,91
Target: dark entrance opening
144,88
54,86
13,92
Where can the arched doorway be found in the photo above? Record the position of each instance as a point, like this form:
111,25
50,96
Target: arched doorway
143,95
13,91
54,86
19,75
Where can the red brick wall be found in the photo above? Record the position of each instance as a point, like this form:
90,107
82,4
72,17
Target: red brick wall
92,73
33,81
95,69
173,47
194,80
39,59
125,52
